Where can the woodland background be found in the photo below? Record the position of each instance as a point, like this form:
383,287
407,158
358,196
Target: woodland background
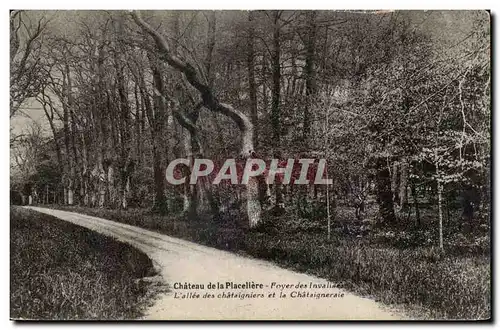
397,102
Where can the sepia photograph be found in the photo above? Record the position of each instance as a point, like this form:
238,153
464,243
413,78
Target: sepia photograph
231,165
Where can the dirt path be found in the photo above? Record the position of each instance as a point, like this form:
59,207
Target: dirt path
180,261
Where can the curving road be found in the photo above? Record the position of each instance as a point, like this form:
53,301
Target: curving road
250,289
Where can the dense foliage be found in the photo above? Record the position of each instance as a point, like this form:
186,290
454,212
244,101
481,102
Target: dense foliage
398,103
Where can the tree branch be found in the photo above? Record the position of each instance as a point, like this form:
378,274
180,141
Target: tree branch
207,95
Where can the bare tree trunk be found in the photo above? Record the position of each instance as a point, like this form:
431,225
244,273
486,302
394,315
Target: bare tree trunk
138,126
403,183
65,195
198,198
252,89
99,175
210,47
75,177
211,40
295,76
47,105
84,182
440,207
125,142
110,180
126,164
394,181
69,164
276,90
70,195
415,201
384,193
185,133
209,101
253,204
264,84
189,191
310,73
158,130
280,201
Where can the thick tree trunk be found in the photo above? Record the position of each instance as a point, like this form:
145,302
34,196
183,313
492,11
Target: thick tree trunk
210,47
295,75
403,183
84,182
199,198
265,102
415,201
74,166
253,203
138,126
68,171
124,202
76,176
47,105
395,181
124,120
384,193
189,191
160,205
110,180
101,190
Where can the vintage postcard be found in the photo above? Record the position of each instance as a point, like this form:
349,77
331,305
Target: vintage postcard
250,165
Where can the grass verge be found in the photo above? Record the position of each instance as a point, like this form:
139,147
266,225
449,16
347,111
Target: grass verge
437,285
60,271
